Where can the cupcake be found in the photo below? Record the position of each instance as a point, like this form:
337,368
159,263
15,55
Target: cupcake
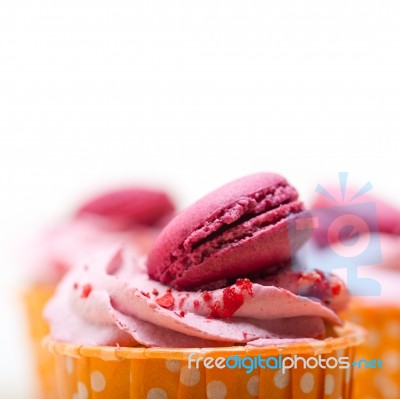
133,216
216,311
369,246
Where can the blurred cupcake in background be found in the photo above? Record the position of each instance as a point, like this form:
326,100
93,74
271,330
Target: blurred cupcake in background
131,216
357,236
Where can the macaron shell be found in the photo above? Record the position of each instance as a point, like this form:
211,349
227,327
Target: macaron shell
219,210
213,203
129,206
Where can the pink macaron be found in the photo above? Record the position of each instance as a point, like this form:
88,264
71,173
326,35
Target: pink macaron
240,229
129,206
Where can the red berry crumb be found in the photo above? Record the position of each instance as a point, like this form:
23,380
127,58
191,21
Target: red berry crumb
155,291
75,286
245,285
206,296
336,288
166,301
146,294
181,302
86,290
231,302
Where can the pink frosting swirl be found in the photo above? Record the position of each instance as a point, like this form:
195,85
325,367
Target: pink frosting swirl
110,300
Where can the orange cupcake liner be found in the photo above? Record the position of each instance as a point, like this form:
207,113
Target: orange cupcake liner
383,326
34,300
152,373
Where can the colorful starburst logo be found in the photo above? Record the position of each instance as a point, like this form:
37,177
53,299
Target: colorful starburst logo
345,234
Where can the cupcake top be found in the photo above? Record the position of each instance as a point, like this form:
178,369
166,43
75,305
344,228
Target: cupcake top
133,216
219,274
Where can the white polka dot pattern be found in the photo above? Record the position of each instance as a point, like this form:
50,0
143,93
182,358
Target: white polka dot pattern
281,380
216,390
378,380
82,391
97,381
383,326
170,377
307,382
329,384
393,329
189,376
156,393
391,360
252,385
69,365
373,338
173,365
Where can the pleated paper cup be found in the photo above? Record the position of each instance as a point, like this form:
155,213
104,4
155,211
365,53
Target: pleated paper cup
34,299
382,322
154,373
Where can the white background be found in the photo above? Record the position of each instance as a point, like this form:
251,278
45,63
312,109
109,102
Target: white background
187,95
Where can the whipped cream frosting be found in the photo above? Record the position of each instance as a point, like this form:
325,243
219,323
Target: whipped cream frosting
110,300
